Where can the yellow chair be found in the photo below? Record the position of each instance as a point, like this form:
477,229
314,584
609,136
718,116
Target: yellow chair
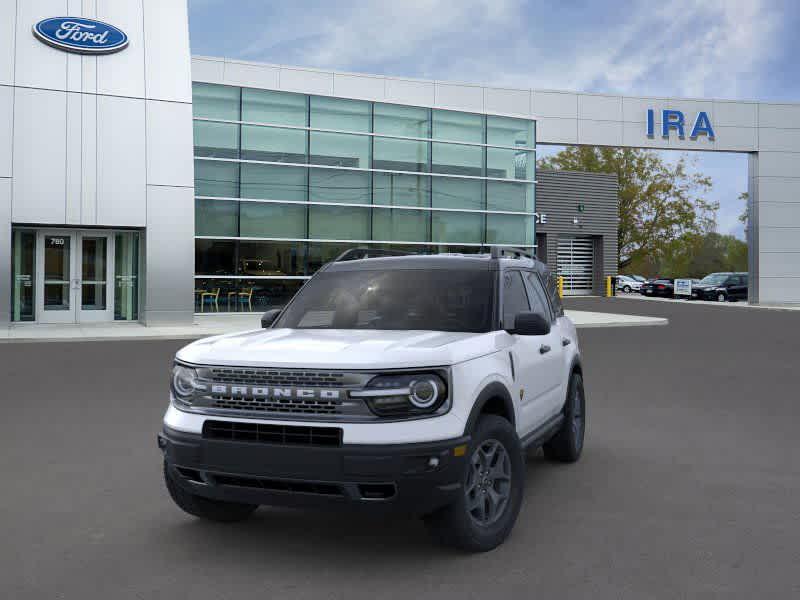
211,297
246,296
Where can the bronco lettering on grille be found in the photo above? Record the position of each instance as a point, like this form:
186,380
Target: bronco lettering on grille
274,392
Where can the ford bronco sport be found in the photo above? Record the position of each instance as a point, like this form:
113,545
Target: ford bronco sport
407,383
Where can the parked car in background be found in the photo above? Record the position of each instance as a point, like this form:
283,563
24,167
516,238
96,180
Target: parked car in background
722,287
662,288
638,278
627,284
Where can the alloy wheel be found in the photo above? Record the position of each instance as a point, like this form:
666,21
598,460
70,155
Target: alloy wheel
488,486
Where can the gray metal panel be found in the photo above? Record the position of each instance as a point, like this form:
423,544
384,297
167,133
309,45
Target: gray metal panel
5,250
558,194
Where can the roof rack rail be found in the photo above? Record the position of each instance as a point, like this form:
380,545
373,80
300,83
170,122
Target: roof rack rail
511,252
361,253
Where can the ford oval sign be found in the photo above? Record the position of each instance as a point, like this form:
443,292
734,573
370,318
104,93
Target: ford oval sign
76,34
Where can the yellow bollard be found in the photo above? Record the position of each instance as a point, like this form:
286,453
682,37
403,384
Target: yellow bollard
560,286
608,287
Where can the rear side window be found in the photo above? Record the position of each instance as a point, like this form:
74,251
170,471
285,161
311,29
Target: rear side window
537,296
515,300
551,287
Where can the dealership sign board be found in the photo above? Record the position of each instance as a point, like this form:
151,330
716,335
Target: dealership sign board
675,120
84,36
683,287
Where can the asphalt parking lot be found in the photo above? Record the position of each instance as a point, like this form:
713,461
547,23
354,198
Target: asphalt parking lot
689,486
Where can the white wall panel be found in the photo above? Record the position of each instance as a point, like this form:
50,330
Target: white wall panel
208,70
779,239
599,108
555,104
738,139
556,131
779,290
779,164
74,158
735,114
169,143
6,128
89,159
408,91
5,249
166,37
358,86
36,64
779,189
8,23
507,102
122,73
634,109
464,97
601,133
250,75
307,81
121,169
779,115
779,264
781,140
39,156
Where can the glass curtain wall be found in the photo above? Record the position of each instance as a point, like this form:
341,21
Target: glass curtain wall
285,182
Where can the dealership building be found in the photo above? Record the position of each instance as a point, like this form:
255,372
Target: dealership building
139,183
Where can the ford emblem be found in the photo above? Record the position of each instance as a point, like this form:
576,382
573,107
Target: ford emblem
84,36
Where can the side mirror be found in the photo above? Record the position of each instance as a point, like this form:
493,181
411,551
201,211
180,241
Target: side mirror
530,323
268,318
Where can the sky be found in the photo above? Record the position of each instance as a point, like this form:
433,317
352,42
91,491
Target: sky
733,49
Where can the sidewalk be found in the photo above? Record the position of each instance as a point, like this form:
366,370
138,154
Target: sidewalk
206,325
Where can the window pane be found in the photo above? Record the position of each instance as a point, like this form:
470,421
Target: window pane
335,185
400,155
216,217
506,131
281,108
272,258
212,295
261,219
213,178
457,159
502,195
337,113
408,121
515,299
509,164
339,150
215,101
273,182
401,190
126,276
339,223
320,253
509,229
216,139
457,126
451,192
273,144
23,259
457,227
269,293
214,257
537,296
401,225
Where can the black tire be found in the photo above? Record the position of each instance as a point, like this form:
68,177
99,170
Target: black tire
205,508
567,444
455,525
722,297
627,289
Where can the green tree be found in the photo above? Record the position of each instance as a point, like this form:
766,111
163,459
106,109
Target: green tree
659,202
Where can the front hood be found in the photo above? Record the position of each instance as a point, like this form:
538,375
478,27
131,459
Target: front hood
342,348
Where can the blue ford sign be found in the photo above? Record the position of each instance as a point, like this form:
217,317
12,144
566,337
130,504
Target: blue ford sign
84,36
675,120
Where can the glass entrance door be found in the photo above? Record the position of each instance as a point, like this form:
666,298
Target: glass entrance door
73,275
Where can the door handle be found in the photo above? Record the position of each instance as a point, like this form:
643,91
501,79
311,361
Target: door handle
566,341
544,349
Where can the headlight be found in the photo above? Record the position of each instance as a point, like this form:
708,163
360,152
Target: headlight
184,383
405,394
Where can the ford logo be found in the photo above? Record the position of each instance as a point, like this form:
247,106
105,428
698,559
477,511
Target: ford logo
84,36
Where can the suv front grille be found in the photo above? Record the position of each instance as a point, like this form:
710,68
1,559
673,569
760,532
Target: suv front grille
273,377
278,405
293,435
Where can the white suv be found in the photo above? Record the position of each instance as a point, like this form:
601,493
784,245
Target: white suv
406,383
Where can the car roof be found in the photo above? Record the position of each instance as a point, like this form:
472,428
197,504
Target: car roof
477,262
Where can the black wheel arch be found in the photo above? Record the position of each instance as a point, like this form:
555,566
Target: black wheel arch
494,399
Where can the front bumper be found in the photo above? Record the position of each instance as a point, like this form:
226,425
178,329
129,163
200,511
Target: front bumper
413,478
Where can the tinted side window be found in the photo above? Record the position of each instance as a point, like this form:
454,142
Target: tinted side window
515,300
537,296
551,286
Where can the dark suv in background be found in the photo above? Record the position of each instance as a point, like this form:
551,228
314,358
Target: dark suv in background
721,287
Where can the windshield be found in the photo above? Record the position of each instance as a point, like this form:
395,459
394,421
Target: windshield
714,279
434,300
